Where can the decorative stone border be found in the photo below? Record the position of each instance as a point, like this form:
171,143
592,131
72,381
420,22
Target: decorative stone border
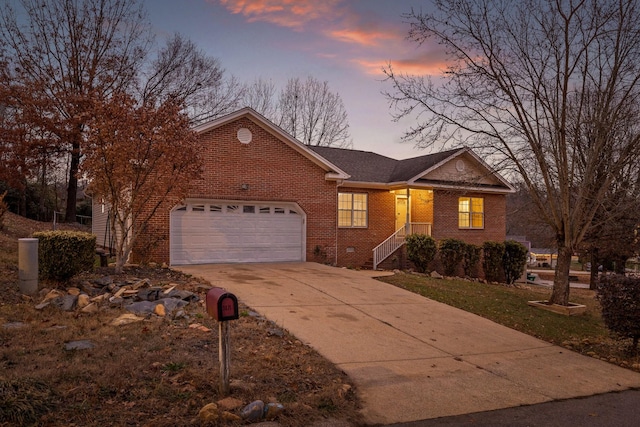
568,310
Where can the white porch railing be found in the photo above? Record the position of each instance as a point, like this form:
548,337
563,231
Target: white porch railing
397,239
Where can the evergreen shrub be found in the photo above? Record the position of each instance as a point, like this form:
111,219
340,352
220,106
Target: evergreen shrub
451,254
492,253
421,250
470,258
514,260
63,254
619,298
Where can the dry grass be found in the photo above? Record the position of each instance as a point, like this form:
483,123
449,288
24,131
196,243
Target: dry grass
157,372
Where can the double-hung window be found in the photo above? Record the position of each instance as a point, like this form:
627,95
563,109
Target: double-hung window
470,212
352,209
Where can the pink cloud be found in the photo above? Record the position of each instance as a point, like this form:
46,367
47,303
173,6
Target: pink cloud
364,36
285,13
361,37
423,65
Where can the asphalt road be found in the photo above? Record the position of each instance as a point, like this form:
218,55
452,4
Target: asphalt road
619,409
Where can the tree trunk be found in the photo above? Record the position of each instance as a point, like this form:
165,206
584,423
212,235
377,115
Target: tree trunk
560,294
72,187
593,277
43,184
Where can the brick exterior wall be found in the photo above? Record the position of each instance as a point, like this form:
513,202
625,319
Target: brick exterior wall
445,217
355,245
273,171
421,206
276,172
440,208
443,214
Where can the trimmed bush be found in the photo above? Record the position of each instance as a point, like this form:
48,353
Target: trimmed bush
421,250
470,258
63,254
619,298
451,253
514,260
492,253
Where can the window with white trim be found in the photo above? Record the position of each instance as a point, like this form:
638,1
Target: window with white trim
471,212
352,209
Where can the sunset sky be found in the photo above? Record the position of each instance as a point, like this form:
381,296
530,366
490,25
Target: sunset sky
345,42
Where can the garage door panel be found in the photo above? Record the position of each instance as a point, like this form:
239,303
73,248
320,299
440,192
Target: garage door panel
236,233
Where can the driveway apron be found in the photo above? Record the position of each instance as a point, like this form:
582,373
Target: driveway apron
411,358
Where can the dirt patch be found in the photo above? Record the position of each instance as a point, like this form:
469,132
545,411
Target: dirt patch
158,371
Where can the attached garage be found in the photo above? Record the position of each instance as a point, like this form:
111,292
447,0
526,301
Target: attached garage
231,232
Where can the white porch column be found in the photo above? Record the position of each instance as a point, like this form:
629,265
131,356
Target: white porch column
407,223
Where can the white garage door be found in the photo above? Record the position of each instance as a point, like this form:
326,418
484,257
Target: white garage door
218,232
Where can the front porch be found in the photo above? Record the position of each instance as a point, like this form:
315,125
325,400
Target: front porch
397,239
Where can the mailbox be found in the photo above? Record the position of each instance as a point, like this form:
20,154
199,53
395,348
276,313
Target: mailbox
222,305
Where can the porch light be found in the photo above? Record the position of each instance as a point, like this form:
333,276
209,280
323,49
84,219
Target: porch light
245,186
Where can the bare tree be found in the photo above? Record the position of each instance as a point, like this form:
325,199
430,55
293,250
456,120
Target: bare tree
612,238
551,87
523,219
310,112
58,57
184,73
261,96
72,52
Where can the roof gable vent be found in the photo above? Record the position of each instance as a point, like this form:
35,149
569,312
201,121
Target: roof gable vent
244,135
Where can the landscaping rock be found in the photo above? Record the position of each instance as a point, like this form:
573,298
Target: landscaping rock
149,294
42,305
140,284
125,319
275,331
116,301
103,281
272,411
208,413
183,295
254,411
73,291
53,294
78,345
434,274
14,325
83,300
68,302
228,416
159,310
172,303
141,308
229,403
91,308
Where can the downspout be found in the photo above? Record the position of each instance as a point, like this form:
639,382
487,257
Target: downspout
407,223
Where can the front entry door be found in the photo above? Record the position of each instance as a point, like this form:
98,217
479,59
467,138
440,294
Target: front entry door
401,211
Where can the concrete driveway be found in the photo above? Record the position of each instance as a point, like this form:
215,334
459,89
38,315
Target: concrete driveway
410,357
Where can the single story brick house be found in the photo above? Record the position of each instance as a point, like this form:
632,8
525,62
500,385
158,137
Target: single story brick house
265,197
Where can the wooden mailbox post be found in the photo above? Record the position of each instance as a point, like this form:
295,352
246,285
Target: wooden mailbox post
223,306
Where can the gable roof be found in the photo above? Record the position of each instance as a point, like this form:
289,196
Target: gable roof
333,172
367,169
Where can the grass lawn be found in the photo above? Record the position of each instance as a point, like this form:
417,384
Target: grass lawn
507,305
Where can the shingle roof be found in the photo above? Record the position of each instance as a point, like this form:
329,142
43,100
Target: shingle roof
364,166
